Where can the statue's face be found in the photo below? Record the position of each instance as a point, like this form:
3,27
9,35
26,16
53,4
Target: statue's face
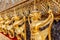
36,15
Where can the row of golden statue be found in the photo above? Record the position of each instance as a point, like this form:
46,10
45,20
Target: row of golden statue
14,24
